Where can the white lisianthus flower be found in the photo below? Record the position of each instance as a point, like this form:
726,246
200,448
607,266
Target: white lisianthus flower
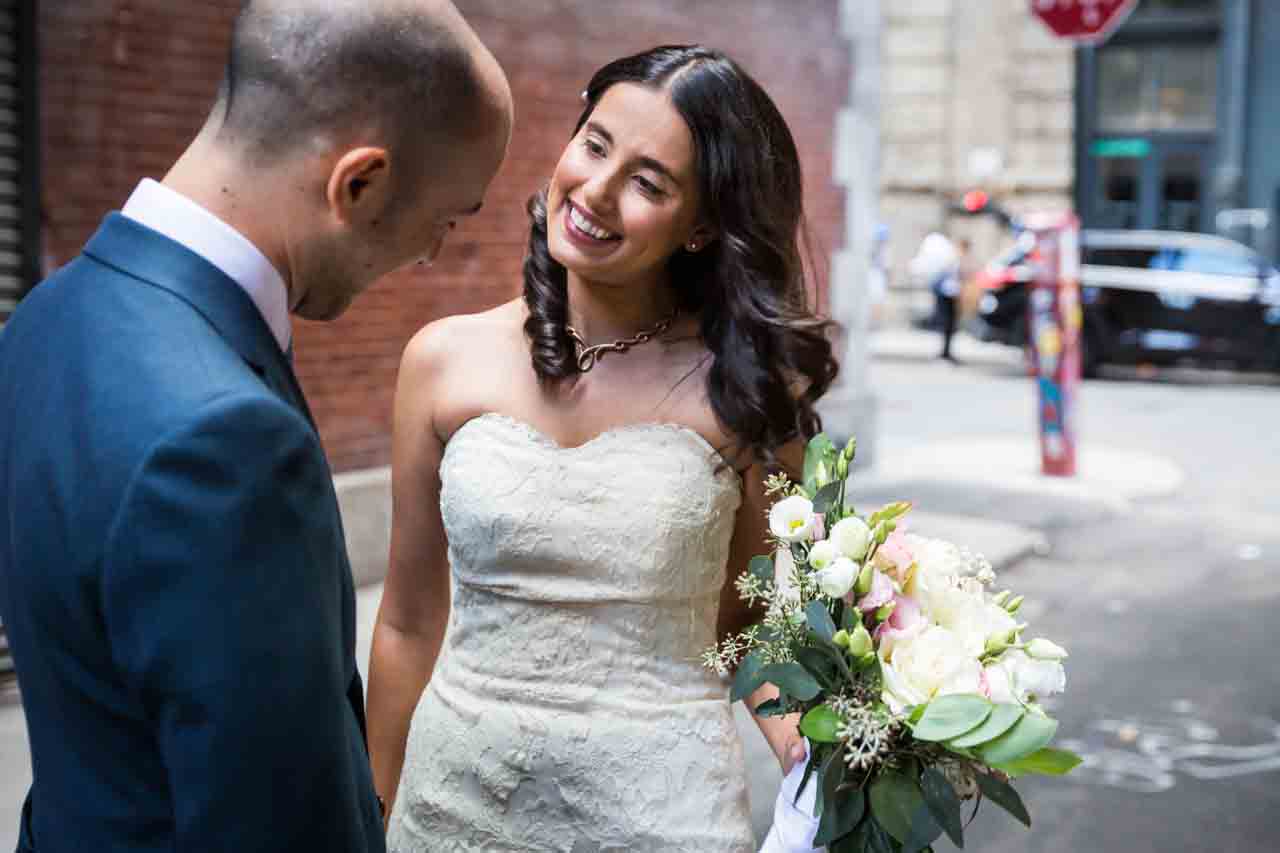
823,554
1042,649
852,536
972,618
791,519
837,579
1017,677
930,664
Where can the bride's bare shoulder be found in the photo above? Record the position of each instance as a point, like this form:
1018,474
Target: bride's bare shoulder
458,340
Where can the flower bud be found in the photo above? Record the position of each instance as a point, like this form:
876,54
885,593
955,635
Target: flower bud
1000,599
842,468
841,638
1014,604
863,585
860,642
822,474
1043,649
886,611
850,450
999,641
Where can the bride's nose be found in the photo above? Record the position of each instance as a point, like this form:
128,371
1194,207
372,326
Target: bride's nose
599,191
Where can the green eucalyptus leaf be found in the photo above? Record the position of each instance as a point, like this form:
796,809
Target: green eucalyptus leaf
951,716
815,613
826,497
852,809
1047,762
868,837
1002,794
761,567
924,831
1003,717
748,678
943,804
831,775
819,664
820,724
793,679
818,450
1028,735
894,799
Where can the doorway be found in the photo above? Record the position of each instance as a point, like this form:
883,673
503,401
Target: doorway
1149,182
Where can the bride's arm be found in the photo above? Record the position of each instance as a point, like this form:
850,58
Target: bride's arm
750,537
415,600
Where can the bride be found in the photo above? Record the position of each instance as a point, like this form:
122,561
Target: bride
588,462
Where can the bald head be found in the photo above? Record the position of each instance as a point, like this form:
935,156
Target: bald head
303,73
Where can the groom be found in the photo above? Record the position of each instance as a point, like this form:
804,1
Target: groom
173,574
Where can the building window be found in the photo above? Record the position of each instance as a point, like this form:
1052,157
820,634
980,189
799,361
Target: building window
1169,87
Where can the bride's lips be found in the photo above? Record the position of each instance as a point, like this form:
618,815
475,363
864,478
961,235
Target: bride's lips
581,238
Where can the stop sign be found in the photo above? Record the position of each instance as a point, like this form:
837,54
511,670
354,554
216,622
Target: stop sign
1083,21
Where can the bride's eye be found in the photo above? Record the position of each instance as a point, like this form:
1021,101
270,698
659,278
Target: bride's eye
594,148
648,187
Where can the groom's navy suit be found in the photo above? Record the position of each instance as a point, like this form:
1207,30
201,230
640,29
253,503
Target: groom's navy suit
173,575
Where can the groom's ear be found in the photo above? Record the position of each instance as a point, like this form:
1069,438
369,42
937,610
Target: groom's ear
359,187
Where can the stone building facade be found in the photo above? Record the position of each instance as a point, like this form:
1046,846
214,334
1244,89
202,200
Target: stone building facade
962,83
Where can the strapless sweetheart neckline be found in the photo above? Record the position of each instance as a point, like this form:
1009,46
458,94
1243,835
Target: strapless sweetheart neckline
601,438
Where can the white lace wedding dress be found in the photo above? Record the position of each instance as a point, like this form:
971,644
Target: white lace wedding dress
569,710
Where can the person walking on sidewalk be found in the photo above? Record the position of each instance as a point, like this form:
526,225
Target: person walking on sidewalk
173,575
937,263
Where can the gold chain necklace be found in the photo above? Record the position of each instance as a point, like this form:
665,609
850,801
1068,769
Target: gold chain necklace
588,356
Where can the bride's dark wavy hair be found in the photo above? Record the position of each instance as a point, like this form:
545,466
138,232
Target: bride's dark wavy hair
771,357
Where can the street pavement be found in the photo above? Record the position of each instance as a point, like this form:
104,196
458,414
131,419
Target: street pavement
1156,566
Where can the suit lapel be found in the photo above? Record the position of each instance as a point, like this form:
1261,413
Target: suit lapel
138,251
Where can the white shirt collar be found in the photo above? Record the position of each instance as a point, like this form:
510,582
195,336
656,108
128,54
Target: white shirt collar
182,220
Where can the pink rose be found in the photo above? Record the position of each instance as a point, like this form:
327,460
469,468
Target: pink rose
880,594
894,556
905,621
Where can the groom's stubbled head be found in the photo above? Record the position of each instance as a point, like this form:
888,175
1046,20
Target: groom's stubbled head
364,128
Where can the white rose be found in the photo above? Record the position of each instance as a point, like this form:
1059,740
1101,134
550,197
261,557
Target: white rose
791,519
852,536
1043,649
936,564
971,617
823,554
1017,677
932,663
837,579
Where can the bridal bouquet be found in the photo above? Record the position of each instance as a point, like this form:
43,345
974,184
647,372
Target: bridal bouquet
917,686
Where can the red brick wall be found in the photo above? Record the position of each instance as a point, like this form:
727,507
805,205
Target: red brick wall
126,83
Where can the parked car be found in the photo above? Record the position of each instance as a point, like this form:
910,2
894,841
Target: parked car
1155,296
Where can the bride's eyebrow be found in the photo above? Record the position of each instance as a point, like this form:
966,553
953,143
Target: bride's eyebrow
646,162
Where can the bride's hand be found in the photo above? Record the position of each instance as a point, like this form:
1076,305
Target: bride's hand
793,752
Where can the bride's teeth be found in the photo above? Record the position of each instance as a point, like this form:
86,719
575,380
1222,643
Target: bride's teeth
583,225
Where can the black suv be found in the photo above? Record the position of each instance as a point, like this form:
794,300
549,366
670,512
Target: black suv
1154,296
